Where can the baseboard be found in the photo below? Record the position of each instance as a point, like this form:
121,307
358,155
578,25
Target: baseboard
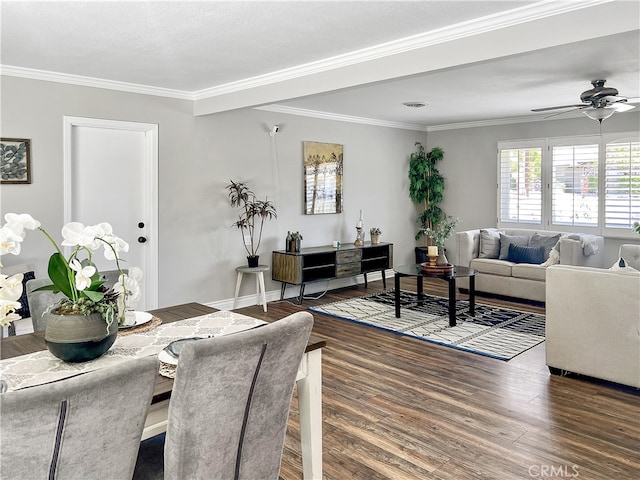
292,291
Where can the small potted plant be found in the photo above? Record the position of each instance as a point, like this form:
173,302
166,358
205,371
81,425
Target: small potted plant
375,233
439,235
252,209
293,241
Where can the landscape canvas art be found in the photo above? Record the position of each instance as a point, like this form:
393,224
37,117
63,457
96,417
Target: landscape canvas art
323,177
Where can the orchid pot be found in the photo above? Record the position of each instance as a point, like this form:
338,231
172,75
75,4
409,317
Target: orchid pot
77,337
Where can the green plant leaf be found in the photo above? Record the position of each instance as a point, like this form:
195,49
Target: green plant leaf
59,274
92,295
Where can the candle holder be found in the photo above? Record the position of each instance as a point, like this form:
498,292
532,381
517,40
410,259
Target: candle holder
432,260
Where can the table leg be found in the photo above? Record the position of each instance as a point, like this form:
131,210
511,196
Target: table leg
310,407
283,288
420,283
384,280
301,293
452,301
365,280
472,295
397,294
261,289
238,282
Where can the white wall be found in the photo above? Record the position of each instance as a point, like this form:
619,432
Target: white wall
198,248
470,165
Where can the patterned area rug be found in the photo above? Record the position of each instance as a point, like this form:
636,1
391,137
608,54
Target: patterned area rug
495,332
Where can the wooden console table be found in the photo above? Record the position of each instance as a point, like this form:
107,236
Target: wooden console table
328,263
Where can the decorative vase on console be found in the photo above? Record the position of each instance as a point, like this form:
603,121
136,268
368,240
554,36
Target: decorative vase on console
375,233
83,324
293,242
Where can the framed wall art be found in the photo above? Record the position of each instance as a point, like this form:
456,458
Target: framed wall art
322,177
15,160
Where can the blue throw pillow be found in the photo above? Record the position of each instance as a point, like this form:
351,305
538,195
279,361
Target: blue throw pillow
522,254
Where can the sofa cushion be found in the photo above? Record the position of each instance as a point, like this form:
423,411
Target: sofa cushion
506,240
529,271
492,266
526,254
489,243
547,241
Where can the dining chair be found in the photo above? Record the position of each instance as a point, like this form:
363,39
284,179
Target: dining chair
87,426
229,406
39,301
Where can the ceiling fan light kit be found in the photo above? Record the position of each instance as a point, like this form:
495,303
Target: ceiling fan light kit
600,114
599,103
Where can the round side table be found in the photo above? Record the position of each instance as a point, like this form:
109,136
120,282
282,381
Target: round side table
260,292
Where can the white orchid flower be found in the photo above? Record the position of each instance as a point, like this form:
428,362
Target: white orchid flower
128,287
10,241
18,222
76,234
11,287
83,274
7,312
113,246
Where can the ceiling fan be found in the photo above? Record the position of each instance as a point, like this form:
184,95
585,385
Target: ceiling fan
598,103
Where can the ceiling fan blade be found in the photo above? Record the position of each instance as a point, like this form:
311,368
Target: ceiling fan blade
581,105
621,106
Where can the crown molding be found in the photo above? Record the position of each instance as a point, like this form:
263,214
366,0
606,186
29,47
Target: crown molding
409,126
340,118
33,74
516,16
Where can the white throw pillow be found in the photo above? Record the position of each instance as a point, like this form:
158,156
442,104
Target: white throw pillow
622,266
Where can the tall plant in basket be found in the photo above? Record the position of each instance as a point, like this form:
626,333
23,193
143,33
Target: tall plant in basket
426,188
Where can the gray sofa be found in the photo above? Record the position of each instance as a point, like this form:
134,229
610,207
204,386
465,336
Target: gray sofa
487,252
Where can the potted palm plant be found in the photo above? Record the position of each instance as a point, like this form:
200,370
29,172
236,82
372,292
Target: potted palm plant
252,210
426,187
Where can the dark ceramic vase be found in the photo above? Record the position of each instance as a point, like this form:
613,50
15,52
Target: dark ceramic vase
79,338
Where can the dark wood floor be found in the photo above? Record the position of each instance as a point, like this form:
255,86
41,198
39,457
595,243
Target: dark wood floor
400,408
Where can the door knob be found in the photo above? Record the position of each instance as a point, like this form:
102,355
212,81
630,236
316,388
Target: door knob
142,239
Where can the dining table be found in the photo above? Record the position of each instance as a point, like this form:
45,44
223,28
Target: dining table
24,348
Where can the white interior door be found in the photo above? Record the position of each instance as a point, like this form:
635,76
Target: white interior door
111,176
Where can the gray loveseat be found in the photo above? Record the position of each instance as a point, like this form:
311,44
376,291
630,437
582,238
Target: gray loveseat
487,252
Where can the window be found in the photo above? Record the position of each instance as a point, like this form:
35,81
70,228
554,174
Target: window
520,181
622,184
587,184
574,179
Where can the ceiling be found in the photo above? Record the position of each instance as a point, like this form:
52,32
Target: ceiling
470,61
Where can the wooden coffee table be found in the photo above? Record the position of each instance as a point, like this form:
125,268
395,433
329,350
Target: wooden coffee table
416,270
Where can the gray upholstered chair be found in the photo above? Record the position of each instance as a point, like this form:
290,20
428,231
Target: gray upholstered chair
39,301
230,405
87,426
110,277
